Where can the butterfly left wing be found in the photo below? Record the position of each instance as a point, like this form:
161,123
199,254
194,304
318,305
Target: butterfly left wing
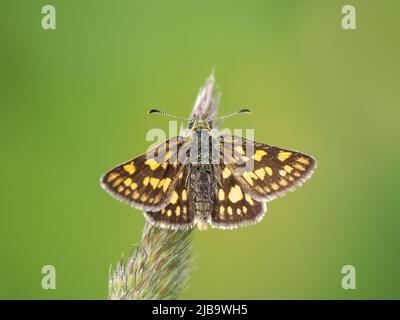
148,181
265,171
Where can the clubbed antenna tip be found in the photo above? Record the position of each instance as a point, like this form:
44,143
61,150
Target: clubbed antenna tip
244,111
233,114
154,111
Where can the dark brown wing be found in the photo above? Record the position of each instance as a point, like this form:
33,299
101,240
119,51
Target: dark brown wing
265,171
176,214
147,182
234,206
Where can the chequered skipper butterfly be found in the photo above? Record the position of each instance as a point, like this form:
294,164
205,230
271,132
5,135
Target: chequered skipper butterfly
206,178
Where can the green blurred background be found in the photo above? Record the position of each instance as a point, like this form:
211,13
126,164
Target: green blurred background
74,102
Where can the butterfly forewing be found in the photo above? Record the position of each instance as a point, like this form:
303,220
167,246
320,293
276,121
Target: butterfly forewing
148,181
265,171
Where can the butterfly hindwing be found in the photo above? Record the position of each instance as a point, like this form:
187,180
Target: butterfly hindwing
233,205
147,182
266,171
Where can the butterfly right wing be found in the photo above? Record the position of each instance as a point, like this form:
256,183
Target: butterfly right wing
264,170
148,181
247,181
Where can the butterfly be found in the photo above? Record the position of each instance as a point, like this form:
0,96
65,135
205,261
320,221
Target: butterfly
205,177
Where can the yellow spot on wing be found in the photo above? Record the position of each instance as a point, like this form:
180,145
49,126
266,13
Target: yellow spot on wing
112,176
154,182
221,195
258,155
178,211
303,160
146,181
249,199
260,173
230,212
275,186
120,188
288,168
128,181
261,152
247,177
283,182
136,195
152,164
117,182
253,176
184,195
169,212
226,173
268,170
161,183
235,195
130,168
283,155
282,173
174,197
238,211
166,184
298,166
244,210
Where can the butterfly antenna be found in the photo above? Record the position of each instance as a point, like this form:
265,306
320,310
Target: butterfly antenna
233,114
166,114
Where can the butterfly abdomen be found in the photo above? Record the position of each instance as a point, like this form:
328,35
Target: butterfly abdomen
201,192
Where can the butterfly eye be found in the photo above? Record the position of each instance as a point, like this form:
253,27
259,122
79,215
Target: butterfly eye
191,123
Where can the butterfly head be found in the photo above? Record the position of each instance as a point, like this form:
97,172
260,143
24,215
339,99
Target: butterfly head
204,114
200,123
